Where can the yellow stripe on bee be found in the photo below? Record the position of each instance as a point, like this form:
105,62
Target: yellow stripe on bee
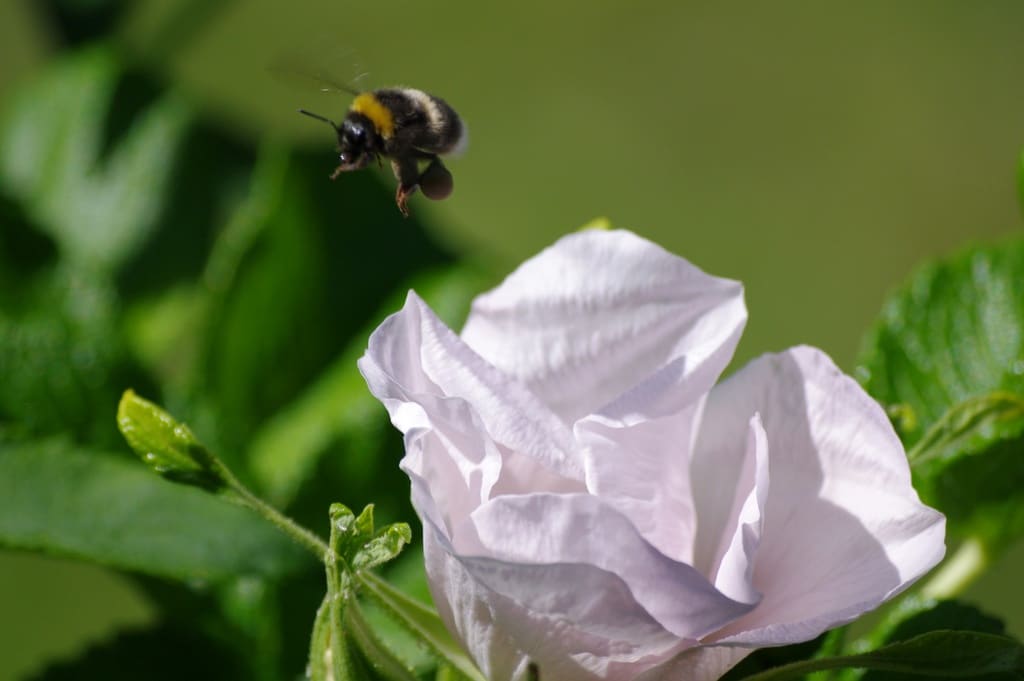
379,115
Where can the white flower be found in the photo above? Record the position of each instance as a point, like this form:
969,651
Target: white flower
594,504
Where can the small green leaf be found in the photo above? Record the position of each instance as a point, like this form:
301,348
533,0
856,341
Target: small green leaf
383,547
165,445
945,654
947,360
421,621
65,500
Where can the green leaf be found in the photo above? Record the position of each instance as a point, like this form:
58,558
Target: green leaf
915,616
358,544
947,360
165,445
944,654
918,615
383,547
100,205
69,501
968,428
421,621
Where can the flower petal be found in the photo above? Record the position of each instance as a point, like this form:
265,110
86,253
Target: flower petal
642,471
579,529
575,622
414,359
733,575
597,313
843,527
703,663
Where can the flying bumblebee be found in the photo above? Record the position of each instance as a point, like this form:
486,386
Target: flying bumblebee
407,126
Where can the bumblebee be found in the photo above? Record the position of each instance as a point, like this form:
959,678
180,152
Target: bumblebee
409,127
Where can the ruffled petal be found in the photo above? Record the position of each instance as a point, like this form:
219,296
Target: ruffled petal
733,575
568,530
595,315
843,527
641,470
575,622
425,375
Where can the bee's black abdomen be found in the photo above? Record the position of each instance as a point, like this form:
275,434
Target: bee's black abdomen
422,121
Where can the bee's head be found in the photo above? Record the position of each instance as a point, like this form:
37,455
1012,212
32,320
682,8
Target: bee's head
357,140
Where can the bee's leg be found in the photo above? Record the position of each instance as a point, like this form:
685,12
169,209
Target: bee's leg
407,172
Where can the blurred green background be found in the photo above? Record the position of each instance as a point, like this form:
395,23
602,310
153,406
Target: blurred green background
815,151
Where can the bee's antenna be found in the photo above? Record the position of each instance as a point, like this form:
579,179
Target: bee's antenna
328,121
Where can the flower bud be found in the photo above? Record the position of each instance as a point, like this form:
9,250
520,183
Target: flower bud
166,445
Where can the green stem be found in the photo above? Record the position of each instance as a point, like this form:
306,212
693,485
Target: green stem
298,533
957,573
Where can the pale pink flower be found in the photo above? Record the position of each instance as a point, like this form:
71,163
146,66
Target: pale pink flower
594,504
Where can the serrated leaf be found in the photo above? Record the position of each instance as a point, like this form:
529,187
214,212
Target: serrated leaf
947,359
99,205
943,654
64,500
917,615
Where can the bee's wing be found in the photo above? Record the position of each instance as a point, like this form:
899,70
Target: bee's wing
311,74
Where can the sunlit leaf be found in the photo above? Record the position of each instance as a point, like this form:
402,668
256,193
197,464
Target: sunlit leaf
947,360
64,500
164,444
943,654
917,615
